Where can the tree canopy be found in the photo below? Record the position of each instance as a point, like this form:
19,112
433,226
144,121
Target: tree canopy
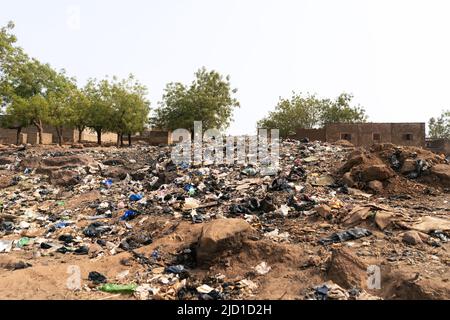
33,93
440,127
130,108
118,106
308,111
209,98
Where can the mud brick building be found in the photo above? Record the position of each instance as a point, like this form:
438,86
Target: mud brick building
366,134
154,137
49,136
439,146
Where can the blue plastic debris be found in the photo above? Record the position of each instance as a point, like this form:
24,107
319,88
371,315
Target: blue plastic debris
155,254
135,197
183,165
190,189
128,215
61,224
107,183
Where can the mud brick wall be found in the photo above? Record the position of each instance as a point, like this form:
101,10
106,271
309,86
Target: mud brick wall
9,136
361,134
416,130
154,137
90,136
69,135
33,138
441,146
311,134
366,134
335,130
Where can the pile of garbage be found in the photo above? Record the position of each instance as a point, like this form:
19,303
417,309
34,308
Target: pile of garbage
138,225
331,291
386,168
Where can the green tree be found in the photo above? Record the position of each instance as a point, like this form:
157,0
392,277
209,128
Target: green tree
300,111
7,40
33,93
26,85
60,98
36,83
8,56
440,127
341,111
130,108
16,116
99,108
209,98
37,112
13,109
308,111
78,113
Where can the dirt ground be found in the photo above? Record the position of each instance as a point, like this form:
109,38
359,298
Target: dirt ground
298,263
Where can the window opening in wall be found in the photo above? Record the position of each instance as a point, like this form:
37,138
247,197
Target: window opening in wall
408,137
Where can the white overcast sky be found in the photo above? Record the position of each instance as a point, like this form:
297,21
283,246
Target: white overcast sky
394,56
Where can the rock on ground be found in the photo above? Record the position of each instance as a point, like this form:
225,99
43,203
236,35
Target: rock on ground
65,178
411,237
376,172
442,171
347,270
376,186
219,236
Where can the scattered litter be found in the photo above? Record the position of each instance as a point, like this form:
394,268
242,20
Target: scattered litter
277,236
191,203
135,197
332,291
350,234
249,284
118,288
107,183
97,277
151,213
176,269
129,214
23,242
6,245
204,288
262,268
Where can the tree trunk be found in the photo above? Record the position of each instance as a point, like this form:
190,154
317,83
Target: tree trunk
80,133
129,140
19,129
38,125
60,136
121,139
118,140
99,136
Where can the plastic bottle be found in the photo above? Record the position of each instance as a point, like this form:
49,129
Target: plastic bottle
118,288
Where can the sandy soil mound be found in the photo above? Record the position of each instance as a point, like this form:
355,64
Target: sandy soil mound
389,169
